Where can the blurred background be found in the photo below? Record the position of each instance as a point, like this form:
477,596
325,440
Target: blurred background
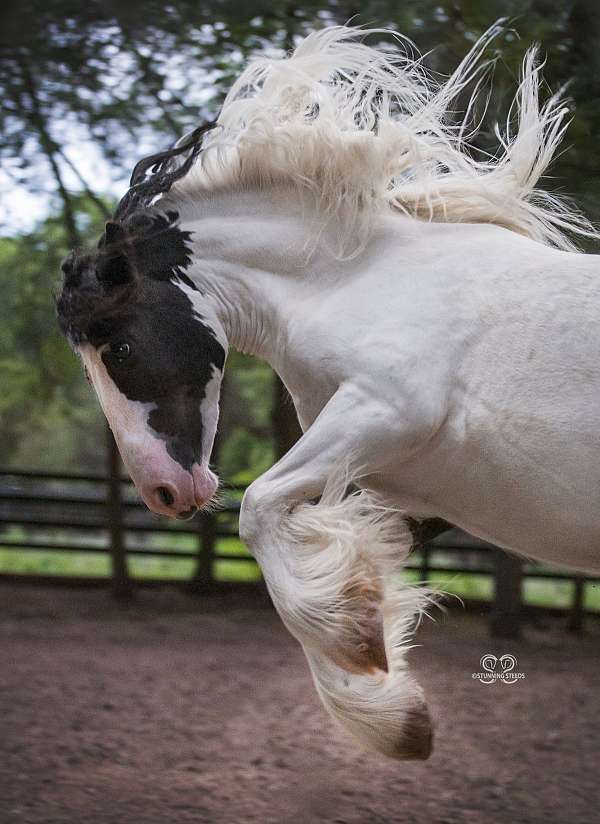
86,90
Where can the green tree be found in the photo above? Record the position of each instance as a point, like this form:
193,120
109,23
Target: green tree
47,414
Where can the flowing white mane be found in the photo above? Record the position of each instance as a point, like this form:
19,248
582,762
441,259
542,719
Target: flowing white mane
366,129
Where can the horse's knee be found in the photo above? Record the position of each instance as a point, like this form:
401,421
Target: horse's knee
249,518
256,512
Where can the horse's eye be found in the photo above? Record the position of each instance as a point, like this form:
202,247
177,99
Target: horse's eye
120,351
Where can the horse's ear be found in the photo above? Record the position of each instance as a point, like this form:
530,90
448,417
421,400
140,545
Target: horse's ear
114,234
67,265
68,268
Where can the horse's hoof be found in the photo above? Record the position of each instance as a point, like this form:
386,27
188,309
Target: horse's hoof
416,741
387,713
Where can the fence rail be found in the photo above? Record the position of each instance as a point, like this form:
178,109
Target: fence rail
75,513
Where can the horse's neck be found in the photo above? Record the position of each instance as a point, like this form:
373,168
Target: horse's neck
258,256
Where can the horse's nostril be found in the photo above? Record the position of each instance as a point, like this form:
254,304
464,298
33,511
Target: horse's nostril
165,495
188,514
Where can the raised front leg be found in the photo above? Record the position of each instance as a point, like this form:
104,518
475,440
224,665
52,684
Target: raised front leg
329,559
320,559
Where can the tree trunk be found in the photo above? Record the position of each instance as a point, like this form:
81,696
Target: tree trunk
50,150
505,619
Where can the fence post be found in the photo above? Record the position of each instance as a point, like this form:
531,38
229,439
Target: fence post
422,532
203,577
424,563
505,621
121,582
576,614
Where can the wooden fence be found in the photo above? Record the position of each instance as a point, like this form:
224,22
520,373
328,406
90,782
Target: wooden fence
74,513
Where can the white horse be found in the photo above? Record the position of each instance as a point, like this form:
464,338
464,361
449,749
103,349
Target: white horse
436,331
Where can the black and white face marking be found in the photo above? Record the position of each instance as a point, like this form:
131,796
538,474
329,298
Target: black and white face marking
162,353
154,351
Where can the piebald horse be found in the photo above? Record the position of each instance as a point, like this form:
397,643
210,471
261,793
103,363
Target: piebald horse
422,302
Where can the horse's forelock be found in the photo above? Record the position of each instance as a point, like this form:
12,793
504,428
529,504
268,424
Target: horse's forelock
99,286
85,300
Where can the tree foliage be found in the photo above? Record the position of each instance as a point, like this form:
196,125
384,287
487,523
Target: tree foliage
111,81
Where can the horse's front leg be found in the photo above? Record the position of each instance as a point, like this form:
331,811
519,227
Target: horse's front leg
318,557
329,560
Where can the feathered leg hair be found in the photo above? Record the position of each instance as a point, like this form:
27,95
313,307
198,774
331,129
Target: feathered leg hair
337,585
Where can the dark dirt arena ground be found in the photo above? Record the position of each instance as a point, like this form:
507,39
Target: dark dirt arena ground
202,710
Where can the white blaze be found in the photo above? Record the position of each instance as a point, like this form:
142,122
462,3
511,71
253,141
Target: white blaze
144,453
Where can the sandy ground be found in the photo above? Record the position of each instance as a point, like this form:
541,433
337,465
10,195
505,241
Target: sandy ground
202,710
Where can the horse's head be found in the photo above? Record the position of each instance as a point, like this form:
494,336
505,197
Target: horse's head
154,351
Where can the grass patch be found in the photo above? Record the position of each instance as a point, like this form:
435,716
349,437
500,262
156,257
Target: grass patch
548,593
170,569
232,546
92,564
591,598
43,562
479,587
236,571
